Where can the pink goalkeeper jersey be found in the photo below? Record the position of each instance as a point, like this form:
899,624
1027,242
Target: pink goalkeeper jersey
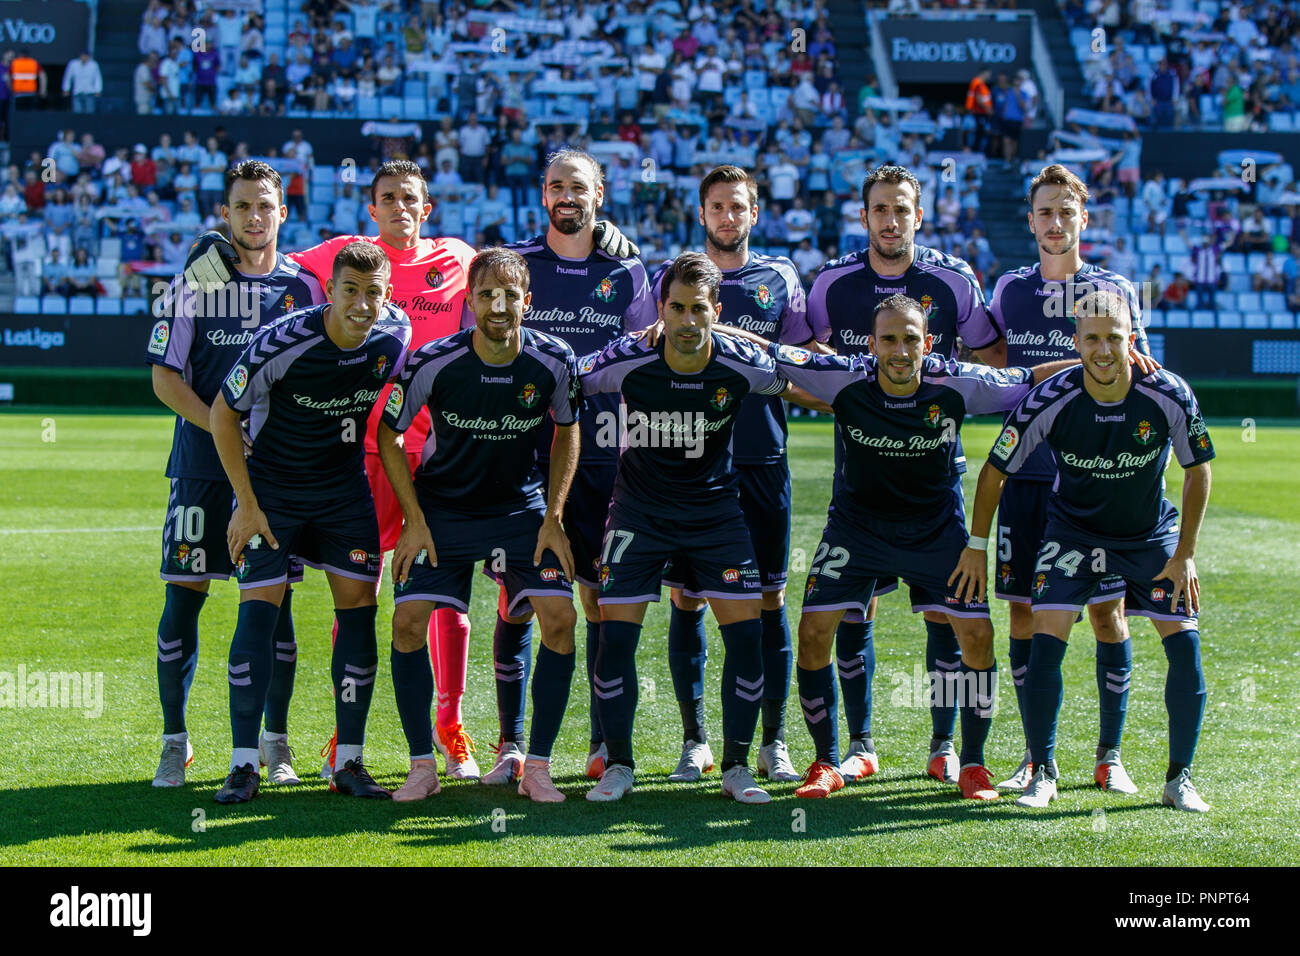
429,283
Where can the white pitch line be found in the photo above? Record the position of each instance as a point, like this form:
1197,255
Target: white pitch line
141,527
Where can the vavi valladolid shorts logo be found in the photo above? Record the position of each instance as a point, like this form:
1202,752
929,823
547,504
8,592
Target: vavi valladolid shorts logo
76,909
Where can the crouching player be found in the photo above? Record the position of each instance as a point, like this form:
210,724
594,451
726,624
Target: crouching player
307,384
894,513
476,495
1110,432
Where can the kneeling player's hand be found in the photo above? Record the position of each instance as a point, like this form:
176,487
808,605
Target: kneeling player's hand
1182,571
971,575
246,524
1142,362
209,263
552,538
608,237
652,333
410,543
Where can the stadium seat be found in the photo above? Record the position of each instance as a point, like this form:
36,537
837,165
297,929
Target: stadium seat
1155,319
1255,320
54,305
1233,262
1148,244
135,305
1203,319
1280,122
1249,301
1229,319
108,305
1179,319
81,305
27,305
1281,320
1176,245
413,88
415,108
1274,302
368,107
1227,302
110,248
1238,281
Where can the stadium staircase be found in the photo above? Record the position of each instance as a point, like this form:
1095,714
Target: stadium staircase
1002,208
1057,34
852,53
117,53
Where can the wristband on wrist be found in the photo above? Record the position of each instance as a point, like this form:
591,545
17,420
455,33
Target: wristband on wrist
978,544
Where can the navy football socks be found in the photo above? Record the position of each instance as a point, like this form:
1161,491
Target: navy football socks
687,654
352,668
1114,672
1018,657
820,711
742,688
178,653
593,645
249,670
942,663
551,682
1184,698
978,692
283,666
1044,691
512,655
413,687
616,688
778,662
855,659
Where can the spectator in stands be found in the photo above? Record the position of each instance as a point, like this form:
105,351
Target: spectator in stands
79,276
63,151
83,82
806,101
1155,202
144,171
783,180
808,261
1122,260
1178,292
1255,235
979,106
152,37
1164,88
145,84
54,274
11,202
1152,292
212,170
1206,271
1268,277
799,221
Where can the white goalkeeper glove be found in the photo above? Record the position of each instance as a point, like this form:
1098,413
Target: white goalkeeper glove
210,263
614,242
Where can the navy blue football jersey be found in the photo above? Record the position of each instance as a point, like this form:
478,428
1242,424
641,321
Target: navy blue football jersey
1036,316
201,335
307,402
1110,458
676,427
587,303
897,454
480,457
847,291
764,296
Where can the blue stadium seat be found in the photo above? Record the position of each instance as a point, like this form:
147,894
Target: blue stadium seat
415,108
1255,320
54,305
390,106
1178,319
1176,245
1229,320
1255,262
1281,320
1280,122
1233,262
412,88
27,305
81,305
108,305
368,107
1155,319
322,188
134,305
1249,301
1239,281
1148,243
1227,302
1203,319
319,212
1274,302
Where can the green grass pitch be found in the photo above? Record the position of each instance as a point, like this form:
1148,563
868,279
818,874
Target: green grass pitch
81,503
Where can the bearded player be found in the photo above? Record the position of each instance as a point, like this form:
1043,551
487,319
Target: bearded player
840,306
587,297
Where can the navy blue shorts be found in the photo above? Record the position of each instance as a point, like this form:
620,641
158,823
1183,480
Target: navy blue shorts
853,555
715,553
1022,516
194,532
340,537
765,497
505,544
584,517
1071,573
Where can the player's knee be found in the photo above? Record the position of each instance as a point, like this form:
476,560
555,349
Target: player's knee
814,650
1022,620
557,634
410,629
590,605
774,600
1108,623
975,636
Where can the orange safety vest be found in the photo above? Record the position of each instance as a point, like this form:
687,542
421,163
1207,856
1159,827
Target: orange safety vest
25,70
978,97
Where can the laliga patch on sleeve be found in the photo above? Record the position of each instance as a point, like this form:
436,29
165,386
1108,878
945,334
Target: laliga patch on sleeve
794,354
588,363
1007,442
237,380
395,399
158,339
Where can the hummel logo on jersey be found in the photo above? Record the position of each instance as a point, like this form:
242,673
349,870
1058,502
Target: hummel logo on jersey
496,379
562,271
888,289
354,360
1102,419
908,404
673,383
